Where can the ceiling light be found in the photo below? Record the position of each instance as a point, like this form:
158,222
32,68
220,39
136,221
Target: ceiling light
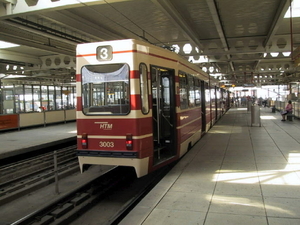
274,54
286,54
187,48
14,76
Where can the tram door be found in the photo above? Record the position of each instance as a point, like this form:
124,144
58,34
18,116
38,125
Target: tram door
163,110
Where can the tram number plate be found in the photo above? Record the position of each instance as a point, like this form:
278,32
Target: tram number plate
104,53
106,144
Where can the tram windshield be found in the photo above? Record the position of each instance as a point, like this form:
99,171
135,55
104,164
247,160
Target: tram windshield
105,89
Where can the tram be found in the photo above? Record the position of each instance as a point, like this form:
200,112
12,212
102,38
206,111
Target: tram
140,105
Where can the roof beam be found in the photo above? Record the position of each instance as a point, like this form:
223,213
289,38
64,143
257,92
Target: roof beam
38,32
19,57
82,25
31,43
21,7
178,20
9,1
216,18
279,15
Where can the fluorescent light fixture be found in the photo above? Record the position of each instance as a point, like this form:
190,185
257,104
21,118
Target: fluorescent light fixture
201,59
4,44
274,54
14,76
215,74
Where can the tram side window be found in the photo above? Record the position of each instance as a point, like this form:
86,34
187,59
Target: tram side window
105,89
191,91
207,93
183,88
197,92
144,88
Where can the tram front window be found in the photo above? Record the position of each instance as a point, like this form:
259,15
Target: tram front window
105,89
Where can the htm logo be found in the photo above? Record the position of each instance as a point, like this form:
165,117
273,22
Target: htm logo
105,125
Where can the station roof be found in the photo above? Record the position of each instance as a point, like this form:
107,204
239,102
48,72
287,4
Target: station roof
239,42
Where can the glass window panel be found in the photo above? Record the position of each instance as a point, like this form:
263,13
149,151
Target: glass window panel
166,91
65,97
51,98
71,97
8,101
28,99
191,91
37,98
19,96
45,98
197,92
183,92
144,88
58,98
105,89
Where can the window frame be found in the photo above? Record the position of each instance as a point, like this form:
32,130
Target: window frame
105,109
144,97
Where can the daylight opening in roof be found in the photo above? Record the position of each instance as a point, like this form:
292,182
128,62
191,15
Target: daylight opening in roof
4,44
295,10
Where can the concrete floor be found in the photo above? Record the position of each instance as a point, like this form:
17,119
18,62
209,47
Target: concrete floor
236,174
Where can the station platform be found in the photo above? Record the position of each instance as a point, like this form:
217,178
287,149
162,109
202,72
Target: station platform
30,139
236,174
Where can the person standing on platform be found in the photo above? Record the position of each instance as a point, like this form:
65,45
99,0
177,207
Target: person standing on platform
288,109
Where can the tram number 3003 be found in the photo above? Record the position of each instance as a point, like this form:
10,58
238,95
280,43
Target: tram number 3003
106,144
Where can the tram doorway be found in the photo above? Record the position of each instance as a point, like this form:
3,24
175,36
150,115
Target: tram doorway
163,113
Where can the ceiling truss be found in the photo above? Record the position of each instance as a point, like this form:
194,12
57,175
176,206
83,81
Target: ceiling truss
238,44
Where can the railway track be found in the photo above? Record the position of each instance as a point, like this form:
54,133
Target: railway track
19,178
68,207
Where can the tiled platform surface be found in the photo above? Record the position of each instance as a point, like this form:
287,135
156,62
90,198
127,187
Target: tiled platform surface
18,142
236,174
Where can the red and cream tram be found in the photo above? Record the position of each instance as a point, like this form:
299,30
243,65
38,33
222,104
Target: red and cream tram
139,105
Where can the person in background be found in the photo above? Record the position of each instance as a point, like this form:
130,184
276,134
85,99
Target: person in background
288,109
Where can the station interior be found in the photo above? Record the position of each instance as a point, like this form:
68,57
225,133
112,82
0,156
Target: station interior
251,47
246,46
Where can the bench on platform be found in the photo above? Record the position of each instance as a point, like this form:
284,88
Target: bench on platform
290,116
